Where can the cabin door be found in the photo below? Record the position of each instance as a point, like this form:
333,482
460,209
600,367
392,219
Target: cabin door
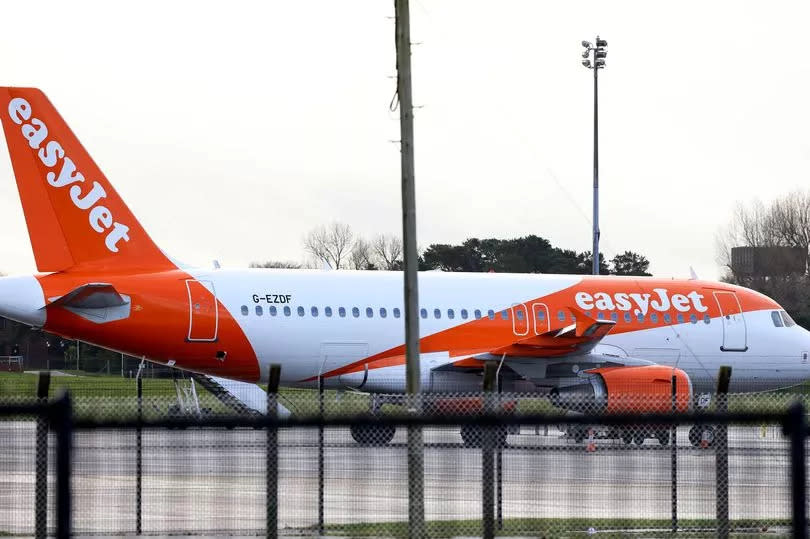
203,319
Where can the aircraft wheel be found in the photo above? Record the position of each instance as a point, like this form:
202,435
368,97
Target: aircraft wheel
473,436
627,437
700,432
663,437
639,438
373,434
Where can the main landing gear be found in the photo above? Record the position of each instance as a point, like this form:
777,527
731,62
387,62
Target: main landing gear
374,435
702,436
473,436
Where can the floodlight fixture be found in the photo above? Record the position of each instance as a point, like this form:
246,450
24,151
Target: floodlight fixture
600,54
601,42
586,63
587,44
586,53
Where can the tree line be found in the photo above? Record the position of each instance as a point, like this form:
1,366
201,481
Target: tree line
337,246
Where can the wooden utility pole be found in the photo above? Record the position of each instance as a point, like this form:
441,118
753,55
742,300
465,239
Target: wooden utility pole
416,504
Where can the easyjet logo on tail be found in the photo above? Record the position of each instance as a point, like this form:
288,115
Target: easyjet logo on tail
641,303
100,217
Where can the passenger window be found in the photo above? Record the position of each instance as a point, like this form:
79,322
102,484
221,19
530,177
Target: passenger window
561,315
437,313
667,318
680,318
614,316
244,310
541,315
369,312
491,314
707,319
396,312
627,317
451,314
693,318
314,311
355,312
300,311
519,314
383,312
477,314
287,311
341,312
640,318
777,319
327,311
272,310
464,314
259,310
504,315
654,318
600,315
589,314
423,313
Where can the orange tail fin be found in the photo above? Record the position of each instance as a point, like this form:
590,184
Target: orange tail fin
75,218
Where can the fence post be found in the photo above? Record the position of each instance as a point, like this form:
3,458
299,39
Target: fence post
487,457
272,451
41,486
139,455
320,455
499,457
721,453
62,424
797,426
673,448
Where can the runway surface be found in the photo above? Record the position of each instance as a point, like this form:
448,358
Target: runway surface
214,481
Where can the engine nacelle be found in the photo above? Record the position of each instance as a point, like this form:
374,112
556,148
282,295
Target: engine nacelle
615,390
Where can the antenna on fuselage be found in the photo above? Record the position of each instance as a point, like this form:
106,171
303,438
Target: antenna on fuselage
692,275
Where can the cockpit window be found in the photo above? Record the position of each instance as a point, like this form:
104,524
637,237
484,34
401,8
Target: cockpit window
777,319
787,319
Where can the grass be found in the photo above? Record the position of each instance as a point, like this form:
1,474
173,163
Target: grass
113,396
560,527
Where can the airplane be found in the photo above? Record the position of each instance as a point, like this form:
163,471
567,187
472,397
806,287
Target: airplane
103,281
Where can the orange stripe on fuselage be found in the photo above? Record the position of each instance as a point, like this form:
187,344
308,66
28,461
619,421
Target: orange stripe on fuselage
485,335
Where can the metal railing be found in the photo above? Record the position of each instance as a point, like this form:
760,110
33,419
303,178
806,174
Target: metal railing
11,363
60,419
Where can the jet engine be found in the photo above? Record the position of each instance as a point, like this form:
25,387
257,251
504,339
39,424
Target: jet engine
615,390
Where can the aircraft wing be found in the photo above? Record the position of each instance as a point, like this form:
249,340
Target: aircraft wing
578,338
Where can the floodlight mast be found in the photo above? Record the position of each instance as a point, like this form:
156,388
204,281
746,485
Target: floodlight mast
599,54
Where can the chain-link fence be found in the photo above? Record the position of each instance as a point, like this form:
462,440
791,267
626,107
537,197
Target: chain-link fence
494,464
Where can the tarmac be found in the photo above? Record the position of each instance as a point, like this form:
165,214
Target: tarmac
213,482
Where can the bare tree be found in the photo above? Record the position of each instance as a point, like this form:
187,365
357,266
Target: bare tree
388,249
362,255
782,229
276,264
330,244
790,219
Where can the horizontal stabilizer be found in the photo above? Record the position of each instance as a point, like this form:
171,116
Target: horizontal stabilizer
90,296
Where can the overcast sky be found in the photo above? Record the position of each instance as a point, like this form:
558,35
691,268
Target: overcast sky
232,128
